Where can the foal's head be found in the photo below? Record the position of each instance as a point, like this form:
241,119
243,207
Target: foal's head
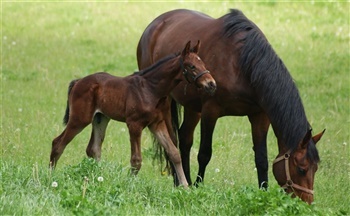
194,69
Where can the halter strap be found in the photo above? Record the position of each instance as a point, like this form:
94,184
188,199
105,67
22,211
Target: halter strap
186,73
200,74
290,183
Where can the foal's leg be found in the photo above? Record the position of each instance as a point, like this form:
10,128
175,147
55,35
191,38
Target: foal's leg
60,142
260,126
135,131
99,125
186,132
174,139
161,133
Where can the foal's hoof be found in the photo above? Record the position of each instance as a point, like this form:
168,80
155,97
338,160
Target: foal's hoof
185,186
51,165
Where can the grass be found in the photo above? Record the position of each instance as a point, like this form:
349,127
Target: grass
45,45
80,192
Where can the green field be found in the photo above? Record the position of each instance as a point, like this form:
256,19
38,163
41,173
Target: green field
46,45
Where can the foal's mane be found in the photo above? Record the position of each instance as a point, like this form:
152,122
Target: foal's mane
274,86
159,63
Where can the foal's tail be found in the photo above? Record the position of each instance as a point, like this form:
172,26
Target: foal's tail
66,115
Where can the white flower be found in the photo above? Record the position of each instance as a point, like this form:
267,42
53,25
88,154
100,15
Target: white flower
100,179
54,184
217,170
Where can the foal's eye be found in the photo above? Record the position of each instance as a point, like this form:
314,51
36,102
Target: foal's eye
301,171
192,67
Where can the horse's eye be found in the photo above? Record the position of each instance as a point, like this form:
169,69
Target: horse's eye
301,171
192,67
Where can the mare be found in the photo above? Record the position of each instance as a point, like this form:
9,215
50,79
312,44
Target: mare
252,81
140,100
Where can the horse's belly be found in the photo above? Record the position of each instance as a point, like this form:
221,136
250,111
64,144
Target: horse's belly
240,108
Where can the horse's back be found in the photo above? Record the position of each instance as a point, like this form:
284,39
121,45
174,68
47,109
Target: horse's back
168,33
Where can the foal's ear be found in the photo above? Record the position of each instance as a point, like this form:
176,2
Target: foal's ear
196,48
317,137
186,51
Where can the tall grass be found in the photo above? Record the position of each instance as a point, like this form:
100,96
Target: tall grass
45,45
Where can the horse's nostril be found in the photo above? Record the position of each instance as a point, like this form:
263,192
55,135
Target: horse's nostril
211,88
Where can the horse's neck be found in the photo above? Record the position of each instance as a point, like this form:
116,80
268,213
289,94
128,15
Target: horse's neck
164,79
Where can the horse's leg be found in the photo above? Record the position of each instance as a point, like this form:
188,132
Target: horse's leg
174,138
208,121
161,133
99,125
135,131
260,126
60,142
186,132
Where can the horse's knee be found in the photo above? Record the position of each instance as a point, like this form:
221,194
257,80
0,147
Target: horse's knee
175,157
204,157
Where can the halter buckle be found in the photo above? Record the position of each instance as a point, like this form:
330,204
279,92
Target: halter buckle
289,183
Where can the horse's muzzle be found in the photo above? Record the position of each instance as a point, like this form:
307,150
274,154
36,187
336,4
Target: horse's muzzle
210,88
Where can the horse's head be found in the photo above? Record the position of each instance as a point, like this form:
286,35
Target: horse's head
194,69
295,170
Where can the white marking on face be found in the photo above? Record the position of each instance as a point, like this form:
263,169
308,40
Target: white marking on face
198,58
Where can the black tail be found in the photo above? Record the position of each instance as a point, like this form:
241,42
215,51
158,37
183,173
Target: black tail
175,119
66,115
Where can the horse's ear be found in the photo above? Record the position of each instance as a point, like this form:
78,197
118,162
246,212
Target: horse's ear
196,48
186,51
306,139
317,137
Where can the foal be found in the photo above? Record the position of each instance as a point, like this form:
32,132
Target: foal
139,100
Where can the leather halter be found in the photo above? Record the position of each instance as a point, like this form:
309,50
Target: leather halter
290,183
186,73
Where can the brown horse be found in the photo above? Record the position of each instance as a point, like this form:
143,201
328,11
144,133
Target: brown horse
252,80
140,100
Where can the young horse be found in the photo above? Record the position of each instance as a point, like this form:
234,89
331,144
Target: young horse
252,80
140,100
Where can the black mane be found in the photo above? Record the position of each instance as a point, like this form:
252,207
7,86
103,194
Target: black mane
156,65
274,86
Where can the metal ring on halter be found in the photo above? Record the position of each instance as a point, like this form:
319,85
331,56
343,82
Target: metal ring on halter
289,183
